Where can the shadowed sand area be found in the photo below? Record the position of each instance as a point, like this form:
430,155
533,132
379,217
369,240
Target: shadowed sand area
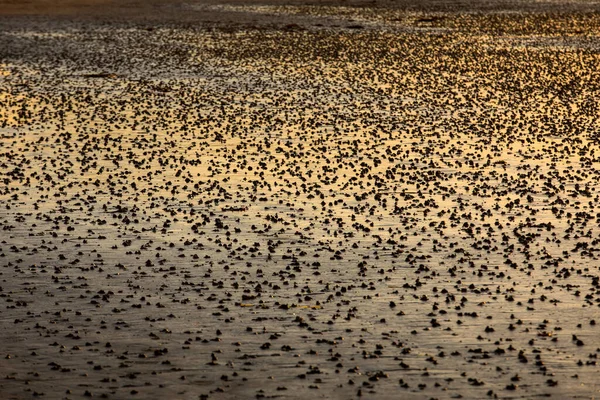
300,199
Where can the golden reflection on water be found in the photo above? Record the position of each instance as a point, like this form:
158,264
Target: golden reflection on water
423,206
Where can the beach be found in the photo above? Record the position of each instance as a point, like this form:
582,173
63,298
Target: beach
300,199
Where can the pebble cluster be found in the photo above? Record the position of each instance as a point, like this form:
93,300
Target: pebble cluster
378,204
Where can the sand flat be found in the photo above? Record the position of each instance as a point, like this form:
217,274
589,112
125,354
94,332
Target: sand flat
264,200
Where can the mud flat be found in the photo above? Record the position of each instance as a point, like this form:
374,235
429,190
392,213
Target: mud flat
255,200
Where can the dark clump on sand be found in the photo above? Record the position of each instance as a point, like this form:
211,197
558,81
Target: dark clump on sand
256,200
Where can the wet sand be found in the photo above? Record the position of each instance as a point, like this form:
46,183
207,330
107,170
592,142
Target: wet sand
310,200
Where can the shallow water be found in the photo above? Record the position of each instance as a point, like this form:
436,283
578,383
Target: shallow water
406,209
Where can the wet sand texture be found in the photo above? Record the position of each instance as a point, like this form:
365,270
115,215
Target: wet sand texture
300,201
